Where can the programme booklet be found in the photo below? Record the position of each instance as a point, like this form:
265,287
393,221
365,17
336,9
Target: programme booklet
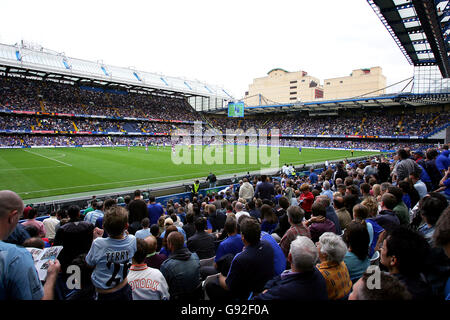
42,259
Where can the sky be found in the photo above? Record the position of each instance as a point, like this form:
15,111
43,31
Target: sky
225,43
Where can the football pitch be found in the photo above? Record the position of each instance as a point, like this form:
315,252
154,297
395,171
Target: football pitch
49,172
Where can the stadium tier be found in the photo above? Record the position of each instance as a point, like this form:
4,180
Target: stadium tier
34,112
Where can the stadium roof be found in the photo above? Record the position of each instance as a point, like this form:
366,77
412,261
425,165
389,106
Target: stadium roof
420,28
35,61
329,107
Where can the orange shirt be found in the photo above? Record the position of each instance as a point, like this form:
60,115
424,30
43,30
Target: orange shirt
337,278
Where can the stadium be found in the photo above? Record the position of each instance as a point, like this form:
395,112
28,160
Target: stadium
88,136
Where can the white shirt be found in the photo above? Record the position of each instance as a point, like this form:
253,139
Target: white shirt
147,283
240,213
421,188
50,225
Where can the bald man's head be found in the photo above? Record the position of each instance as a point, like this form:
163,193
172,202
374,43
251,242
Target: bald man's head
10,201
11,208
152,243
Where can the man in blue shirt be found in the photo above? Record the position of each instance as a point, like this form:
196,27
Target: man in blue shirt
443,160
19,279
155,210
313,178
92,216
249,269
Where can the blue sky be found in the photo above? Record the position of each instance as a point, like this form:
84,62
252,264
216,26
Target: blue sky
227,43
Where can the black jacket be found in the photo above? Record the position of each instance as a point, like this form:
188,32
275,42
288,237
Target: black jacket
202,243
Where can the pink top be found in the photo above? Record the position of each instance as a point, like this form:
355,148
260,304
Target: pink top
37,224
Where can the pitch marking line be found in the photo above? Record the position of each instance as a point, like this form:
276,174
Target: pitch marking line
37,154
34,168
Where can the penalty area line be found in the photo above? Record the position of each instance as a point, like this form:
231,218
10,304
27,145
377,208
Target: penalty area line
37,154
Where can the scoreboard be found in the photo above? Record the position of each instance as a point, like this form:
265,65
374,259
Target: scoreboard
235,109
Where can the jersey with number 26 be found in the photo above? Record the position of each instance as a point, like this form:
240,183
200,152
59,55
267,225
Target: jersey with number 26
112,260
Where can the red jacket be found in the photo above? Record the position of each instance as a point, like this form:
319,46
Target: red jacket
308,200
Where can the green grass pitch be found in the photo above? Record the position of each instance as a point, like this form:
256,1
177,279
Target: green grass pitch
35,173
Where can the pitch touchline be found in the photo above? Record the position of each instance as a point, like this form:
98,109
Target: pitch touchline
37,154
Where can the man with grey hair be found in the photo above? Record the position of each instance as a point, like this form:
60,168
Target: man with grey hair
240,210
19,279
303,281
332,250
295,217
384,187
326,190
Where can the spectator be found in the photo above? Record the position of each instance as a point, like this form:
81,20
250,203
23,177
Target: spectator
430,209
189,227
232,244
295,217
330,213
306,199
331,251
249,270
283,221
217,217
444,184
419,185
265,189
405,166
246,190
252,210
87,289
400,209
303,281
92,216
443,160
182,269
403,253
50,225
441,238
319,224
386,218
357,239
326,190
137,212
31,221
201,243
153,258
240,210
269,219
146,283
16,262
169,222
75,237
212,179
145,231
390,289
155,210
341,212
117,249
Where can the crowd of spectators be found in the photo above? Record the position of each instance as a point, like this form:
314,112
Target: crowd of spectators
363,124
27,95
107,140
325,235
